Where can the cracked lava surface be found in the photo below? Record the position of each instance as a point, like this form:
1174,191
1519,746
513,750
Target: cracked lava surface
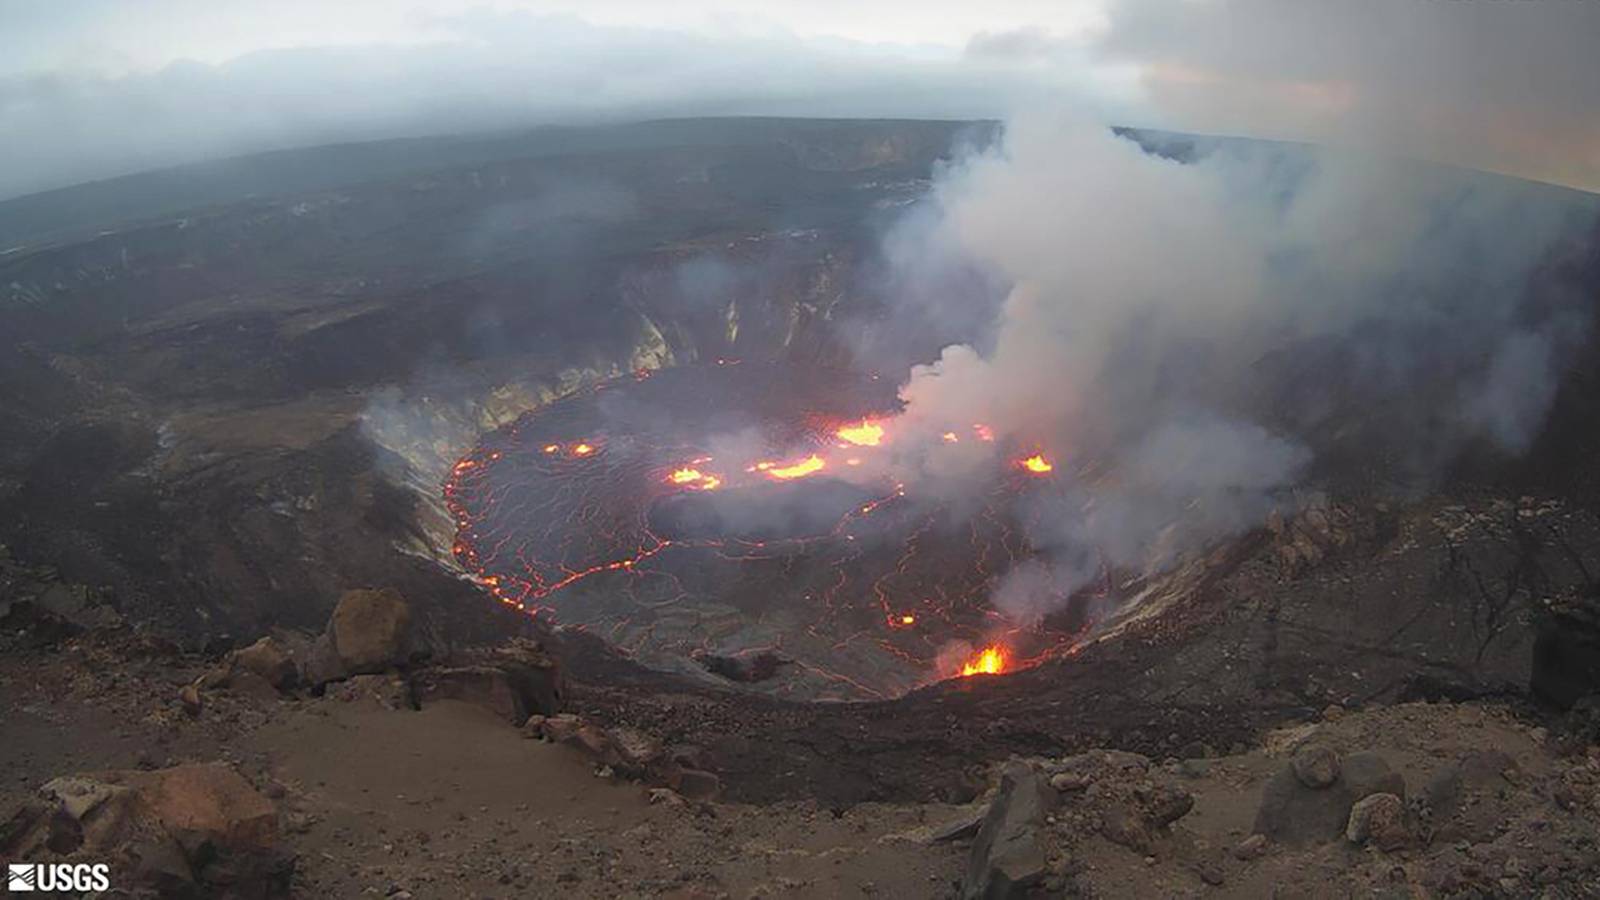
694,513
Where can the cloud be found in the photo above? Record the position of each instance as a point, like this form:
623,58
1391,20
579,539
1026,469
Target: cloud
1019,45
1504,86
493,72
1495,84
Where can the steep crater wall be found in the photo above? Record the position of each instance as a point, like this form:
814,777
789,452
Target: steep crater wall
229,415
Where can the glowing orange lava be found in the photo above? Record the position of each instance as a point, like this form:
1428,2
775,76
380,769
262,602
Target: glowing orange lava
983,432
908,620
801,469
950,437
582,450
1037,464
866,434
992,661
692,477
551,448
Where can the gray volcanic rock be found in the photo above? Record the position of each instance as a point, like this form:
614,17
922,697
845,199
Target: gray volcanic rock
1008,857
1294,814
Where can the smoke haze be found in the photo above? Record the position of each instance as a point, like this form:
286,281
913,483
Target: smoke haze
95,88
1156,312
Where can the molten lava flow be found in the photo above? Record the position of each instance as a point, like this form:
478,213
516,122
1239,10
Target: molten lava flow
992,661
551,448
950,437
866,434
801,469
582,450
685,476
1037,464
983,432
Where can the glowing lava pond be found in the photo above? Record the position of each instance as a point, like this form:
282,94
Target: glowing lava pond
700,509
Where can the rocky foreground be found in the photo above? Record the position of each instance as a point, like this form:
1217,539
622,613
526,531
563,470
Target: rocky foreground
353,763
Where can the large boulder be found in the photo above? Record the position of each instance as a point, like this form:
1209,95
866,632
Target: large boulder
370,631
268,659
1294,813
262,671
1008,856
187,831
1451,796
209,803
77,604
1381,820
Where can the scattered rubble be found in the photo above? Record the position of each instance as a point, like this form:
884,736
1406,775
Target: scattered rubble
1431,798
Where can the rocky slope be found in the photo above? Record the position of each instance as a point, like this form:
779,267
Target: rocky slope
248,774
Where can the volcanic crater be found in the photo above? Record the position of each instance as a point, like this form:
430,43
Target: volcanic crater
224,410
704,514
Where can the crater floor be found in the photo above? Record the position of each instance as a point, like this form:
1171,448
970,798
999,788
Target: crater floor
693,518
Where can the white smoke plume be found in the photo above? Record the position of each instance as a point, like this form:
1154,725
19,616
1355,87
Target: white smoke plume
1158,313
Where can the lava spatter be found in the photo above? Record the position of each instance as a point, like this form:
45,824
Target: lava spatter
989,661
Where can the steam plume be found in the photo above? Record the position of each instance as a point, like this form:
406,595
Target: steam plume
1184,336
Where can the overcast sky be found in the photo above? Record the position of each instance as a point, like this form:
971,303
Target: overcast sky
92,88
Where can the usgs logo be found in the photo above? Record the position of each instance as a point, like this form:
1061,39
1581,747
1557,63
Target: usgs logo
24,877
